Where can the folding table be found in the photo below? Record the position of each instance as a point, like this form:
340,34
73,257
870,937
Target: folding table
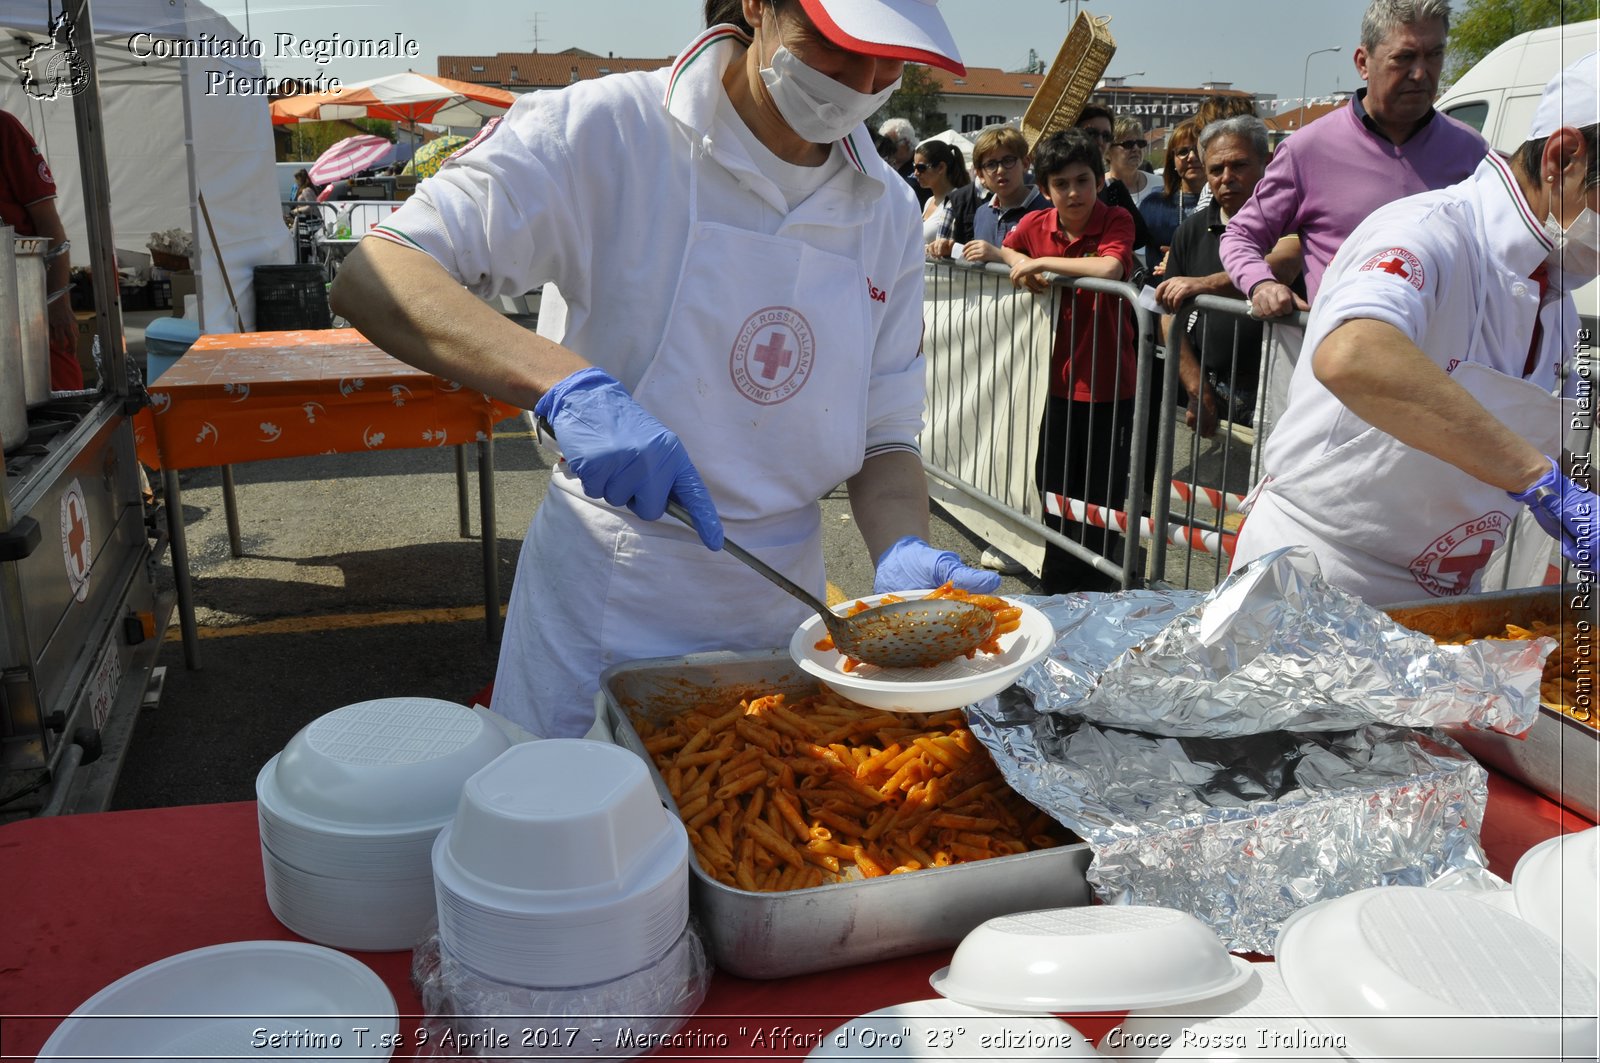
261,395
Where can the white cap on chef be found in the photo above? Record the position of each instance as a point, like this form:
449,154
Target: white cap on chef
1570,99
912,30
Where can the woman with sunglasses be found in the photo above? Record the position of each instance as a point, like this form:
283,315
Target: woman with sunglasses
941,170
755,305
1123,159
1183,179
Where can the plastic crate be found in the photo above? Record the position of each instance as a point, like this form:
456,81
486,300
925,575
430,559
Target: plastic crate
289,298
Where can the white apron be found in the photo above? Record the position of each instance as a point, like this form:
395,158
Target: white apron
762,371
1389,523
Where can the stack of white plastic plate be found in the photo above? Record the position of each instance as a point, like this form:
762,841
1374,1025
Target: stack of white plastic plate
349,810
1107,957
1557,887
242,1000
1401,972
561,868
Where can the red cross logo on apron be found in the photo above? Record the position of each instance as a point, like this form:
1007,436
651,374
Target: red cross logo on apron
773,355
1452,562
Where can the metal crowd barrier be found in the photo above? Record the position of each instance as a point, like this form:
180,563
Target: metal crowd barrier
988,346
1200,497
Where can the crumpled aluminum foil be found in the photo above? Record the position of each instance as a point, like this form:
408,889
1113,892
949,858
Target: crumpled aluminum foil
1242,832
1234,817
1277,648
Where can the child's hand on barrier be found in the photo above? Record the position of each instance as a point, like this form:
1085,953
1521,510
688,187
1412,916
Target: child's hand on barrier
1028,274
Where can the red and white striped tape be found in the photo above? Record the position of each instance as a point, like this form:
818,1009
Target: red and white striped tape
1100,517
1221,501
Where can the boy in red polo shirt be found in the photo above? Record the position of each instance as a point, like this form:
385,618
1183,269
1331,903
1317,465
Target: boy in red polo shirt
1086,436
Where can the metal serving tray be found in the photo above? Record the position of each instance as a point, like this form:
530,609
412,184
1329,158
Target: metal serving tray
1559,756
774,935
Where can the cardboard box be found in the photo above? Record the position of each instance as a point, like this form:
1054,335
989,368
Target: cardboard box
182,285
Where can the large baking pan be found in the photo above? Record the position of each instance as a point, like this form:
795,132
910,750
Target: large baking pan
1558,756
774,935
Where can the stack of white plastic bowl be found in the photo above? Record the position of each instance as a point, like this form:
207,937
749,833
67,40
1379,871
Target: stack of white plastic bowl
348,813
562,868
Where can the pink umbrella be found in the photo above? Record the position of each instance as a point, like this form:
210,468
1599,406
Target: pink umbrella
349,157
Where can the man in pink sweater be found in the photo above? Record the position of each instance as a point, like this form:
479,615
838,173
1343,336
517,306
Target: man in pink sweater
1389,143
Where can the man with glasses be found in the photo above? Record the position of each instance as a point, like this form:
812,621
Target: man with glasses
1001,155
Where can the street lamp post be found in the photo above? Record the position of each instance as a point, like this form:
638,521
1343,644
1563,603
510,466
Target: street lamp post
1305,76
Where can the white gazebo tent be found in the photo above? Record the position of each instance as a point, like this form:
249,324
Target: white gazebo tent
175,130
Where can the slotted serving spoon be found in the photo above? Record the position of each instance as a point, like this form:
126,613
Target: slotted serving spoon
899,635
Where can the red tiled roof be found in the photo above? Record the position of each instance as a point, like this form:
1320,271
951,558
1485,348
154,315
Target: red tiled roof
1290,120
538,69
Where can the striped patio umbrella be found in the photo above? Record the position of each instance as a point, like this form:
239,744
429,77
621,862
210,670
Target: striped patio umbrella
349,157
408,97
432,155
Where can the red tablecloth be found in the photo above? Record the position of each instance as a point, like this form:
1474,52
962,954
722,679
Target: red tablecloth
91,898
253,396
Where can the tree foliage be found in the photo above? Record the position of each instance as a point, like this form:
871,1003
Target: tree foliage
304,141
917,100
1478,27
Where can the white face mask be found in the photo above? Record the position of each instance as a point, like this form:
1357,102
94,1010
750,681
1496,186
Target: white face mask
816,106
1575,259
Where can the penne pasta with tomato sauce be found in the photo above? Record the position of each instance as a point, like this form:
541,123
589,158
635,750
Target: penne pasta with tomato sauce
781,795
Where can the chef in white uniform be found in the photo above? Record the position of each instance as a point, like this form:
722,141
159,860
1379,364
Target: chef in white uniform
1428,413
740,284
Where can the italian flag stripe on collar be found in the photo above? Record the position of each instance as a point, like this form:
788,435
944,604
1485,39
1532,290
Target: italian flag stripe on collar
1523,210
702,44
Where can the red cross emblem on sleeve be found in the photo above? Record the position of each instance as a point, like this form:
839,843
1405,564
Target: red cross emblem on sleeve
1399,263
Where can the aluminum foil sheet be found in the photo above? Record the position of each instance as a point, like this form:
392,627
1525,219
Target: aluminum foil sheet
1251,751
1276,648
1243,832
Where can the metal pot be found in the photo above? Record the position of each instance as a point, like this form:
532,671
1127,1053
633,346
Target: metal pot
32,291
13,407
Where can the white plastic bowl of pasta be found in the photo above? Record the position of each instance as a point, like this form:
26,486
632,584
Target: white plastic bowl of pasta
1109,957
938,688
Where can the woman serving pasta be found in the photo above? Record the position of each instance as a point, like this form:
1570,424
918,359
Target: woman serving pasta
757,305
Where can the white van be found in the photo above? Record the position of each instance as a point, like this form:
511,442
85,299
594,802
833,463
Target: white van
1498,96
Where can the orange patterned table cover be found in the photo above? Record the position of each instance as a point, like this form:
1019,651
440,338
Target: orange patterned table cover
254,396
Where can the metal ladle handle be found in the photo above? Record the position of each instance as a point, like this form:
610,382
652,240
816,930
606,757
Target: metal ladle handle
828,615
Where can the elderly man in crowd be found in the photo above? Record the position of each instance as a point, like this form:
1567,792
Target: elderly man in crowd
1325,179
1389,143
1220,352
902,136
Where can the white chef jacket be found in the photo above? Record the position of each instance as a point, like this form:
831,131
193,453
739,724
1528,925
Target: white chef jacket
1451,270
605,189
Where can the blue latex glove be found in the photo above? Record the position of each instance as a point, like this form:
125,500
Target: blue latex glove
911,564
622,454
1568,513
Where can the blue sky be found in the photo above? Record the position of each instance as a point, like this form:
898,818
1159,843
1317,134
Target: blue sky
1258,45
